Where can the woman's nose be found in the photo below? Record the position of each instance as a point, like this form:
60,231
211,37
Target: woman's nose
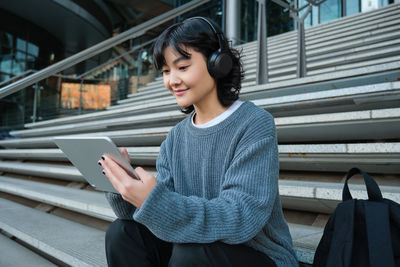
174,80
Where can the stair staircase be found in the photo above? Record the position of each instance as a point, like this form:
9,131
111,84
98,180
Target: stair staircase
345,113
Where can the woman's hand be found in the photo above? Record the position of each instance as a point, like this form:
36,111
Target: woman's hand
132,190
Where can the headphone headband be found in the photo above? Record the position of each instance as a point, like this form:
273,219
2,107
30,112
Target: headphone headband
219,63
220,36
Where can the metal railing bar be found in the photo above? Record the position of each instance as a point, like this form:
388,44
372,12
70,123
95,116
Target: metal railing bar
100,47
116,58
18,76
75,78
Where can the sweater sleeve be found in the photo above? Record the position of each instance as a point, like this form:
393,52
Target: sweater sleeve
240,211
122,209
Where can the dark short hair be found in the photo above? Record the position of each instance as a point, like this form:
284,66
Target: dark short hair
198,35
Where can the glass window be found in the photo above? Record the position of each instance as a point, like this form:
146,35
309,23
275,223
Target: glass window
30,62
330,10
18,64
33,49
20,56
278,19
308,19
383,3
5,39
4,76
352,7
21,44
315,19
5,64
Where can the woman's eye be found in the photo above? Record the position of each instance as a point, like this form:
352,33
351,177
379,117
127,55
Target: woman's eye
183,67
164,71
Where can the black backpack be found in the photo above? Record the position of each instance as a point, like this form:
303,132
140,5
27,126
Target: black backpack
361,232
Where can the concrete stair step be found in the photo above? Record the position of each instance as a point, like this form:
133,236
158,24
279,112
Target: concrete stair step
149,88
331,64
363,54
373,157
292,57
319,83
356,51
159,94
389,32
83,201
351,39
18,255
44,170
330,101
341,25
154,136
305,241
351,66
164,96
331,71
136,137
325,59
249,88
361,37
143,93
143,108
134,122
300,195
349,96
358,37
75,245
357,94
369,24
79,245
335,126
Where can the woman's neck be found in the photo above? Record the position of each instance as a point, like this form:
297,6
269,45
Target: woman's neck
208,111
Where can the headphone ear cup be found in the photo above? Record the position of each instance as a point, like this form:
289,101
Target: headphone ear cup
219,64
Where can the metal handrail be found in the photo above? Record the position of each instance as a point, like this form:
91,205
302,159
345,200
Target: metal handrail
98,48
262,60
18,76
116,58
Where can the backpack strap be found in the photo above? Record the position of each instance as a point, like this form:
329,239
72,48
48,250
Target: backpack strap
378,234
374,193
340,251
376,221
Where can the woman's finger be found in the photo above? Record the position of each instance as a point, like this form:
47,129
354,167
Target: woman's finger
111,167
125,153
116,183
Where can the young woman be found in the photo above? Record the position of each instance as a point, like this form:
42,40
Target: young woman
215,201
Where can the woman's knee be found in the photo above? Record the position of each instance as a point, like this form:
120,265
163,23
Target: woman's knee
188,255
114,231
120,231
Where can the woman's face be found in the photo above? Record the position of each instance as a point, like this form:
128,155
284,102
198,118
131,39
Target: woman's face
188,78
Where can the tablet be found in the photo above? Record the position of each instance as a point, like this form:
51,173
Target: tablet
85,152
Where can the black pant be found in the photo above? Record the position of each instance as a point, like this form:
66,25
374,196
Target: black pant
129,243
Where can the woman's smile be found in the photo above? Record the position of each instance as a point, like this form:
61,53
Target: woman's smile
180,92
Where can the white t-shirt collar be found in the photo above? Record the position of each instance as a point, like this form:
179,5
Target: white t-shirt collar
220,117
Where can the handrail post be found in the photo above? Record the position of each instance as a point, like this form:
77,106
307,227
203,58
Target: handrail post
139,69
301,50
262,48
80,97
34,112
301,39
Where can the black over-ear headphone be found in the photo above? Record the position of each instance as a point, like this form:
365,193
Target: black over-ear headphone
219,64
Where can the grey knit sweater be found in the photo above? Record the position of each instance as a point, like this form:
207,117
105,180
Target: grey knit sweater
219,184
